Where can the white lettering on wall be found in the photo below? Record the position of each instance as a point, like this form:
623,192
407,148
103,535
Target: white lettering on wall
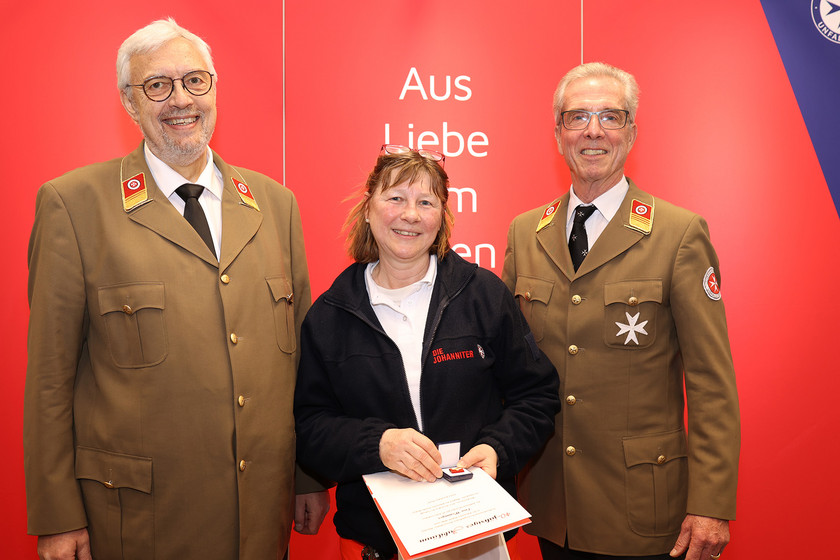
459,84
413,82
464,250
450,143
459,193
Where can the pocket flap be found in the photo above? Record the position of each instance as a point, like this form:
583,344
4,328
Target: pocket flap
128,298
280,288
654,449
633,292
114,470
533,289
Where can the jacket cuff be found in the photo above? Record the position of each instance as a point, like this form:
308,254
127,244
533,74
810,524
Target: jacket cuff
307,482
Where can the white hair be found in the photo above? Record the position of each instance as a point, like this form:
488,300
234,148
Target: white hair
593,69
151,38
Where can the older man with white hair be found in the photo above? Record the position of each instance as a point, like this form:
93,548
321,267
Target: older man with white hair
622,292
166,290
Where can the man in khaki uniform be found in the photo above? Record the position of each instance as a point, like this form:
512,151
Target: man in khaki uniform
162,352
637,331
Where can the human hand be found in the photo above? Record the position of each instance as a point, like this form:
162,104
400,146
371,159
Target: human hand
72,545
310,511
410,453
482,456
703,537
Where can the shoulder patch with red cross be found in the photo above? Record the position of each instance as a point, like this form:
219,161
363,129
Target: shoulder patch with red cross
710,284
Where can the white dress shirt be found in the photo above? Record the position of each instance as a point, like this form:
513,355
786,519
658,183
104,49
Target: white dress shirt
168,180
606,205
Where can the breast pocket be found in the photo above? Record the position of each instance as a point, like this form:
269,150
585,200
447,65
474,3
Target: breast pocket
631,308
284,312
133,315
533,295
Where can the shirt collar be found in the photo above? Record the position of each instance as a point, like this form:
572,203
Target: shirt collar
379,295
167,179
607,204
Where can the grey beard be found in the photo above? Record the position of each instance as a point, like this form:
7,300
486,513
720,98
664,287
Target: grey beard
184,155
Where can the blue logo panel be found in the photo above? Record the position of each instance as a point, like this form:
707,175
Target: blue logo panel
807,34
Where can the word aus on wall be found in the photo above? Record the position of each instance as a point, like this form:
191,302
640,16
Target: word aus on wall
450,142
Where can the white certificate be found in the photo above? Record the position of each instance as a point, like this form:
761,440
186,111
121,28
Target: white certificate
429,517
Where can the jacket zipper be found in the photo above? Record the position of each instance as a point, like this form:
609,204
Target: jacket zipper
427,344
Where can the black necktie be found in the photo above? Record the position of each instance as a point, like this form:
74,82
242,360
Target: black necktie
578,241
194,213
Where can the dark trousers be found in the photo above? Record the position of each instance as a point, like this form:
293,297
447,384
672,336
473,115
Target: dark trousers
551,551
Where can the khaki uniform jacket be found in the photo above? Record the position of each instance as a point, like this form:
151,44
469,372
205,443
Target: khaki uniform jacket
624,332
158,401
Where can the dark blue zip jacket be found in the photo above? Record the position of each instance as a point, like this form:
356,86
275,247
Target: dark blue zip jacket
483,381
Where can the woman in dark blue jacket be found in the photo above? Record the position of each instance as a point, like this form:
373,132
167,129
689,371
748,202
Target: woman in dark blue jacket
410,347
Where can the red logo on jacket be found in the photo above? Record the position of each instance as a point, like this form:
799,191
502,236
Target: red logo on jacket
438,355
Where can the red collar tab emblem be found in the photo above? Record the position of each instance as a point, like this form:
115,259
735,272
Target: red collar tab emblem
134,192
548,215
245,194
641,217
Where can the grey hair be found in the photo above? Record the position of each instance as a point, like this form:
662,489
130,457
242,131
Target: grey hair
599,69
151,38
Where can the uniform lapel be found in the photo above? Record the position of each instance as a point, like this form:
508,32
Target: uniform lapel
617,237
240,222
552,238
158,214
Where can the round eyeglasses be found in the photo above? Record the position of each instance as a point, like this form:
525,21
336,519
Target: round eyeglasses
609,119
159,88
395,149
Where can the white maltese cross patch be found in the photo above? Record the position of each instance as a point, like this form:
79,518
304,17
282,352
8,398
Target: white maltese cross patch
631,328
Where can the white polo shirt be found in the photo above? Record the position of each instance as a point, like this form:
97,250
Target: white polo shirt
402,313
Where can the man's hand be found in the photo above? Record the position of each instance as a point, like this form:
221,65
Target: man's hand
310,511
72,545
482,456
703,537
410,453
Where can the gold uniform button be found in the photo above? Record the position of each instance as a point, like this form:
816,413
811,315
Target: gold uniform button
571,400
660,459
127,309
234,338
241,400
242,465
633,301
573,349
108,484
225,279
576,299
570,451
527,296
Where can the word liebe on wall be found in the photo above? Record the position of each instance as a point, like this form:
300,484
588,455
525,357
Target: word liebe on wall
451,143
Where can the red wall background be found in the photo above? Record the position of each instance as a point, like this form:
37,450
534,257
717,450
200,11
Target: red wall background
719,132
